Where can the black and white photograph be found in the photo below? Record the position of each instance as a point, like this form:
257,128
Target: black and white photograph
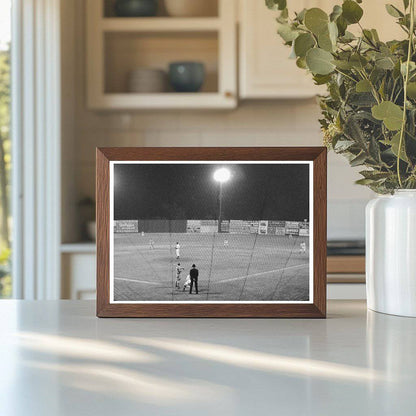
211,232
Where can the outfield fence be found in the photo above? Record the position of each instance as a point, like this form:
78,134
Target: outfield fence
262,227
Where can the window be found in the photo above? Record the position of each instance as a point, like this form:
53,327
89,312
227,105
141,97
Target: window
5,145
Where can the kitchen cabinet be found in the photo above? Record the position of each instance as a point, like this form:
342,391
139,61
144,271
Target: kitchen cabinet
118,45
265,70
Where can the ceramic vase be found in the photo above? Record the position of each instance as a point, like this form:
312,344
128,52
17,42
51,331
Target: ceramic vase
391,253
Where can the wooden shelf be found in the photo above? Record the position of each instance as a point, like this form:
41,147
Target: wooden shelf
159,24
163,101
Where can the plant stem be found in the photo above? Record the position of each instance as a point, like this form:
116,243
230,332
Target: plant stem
346,75
406,80
373,90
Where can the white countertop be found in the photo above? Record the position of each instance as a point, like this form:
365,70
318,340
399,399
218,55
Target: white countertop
58,359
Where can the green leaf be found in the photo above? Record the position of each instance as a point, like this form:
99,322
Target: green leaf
276,4
329,37
325,42
385,63
343,145
316,20
286,32
374,150
412,67
354,131
301,63
368,36
343,65
363,86
393,11
358,160
411,90
321,79
364,181
336,12
361,99
319,61
358,61
377,75
406,4
348,37
284,14
333,32
396,70
283,17
375,35
300,17
342,25
303,43
391,114
351,11
394,144
375,175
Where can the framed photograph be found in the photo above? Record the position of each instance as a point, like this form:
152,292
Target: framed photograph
211,232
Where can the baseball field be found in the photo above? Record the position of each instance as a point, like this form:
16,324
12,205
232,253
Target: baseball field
232,267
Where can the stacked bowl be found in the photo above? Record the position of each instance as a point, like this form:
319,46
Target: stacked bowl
147,80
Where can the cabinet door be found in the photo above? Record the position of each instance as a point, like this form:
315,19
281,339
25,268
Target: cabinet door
265,68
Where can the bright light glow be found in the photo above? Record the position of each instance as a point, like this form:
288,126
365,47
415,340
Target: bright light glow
222,175
83,348
255,360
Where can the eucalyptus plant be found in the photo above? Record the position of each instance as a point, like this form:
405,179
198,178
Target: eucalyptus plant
369,112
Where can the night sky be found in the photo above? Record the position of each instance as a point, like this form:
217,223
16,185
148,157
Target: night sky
188,191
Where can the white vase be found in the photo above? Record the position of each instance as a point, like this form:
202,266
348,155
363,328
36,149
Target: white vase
391,253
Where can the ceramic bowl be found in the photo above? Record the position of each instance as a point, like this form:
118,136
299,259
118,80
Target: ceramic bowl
135,8
147,80
186,76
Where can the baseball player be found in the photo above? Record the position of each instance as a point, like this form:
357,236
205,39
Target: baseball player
187,283
179,270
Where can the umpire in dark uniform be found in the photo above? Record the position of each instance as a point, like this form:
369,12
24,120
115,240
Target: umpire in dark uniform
194,273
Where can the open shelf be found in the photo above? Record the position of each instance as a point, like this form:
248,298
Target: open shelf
116,46
127,51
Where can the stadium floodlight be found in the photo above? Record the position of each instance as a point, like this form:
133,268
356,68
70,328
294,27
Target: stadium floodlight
221,175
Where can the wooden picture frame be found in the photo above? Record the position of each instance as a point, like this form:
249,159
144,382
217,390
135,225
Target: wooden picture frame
314,308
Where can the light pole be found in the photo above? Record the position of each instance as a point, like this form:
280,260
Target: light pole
221,175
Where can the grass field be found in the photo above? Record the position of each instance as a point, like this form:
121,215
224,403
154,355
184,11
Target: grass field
251,268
